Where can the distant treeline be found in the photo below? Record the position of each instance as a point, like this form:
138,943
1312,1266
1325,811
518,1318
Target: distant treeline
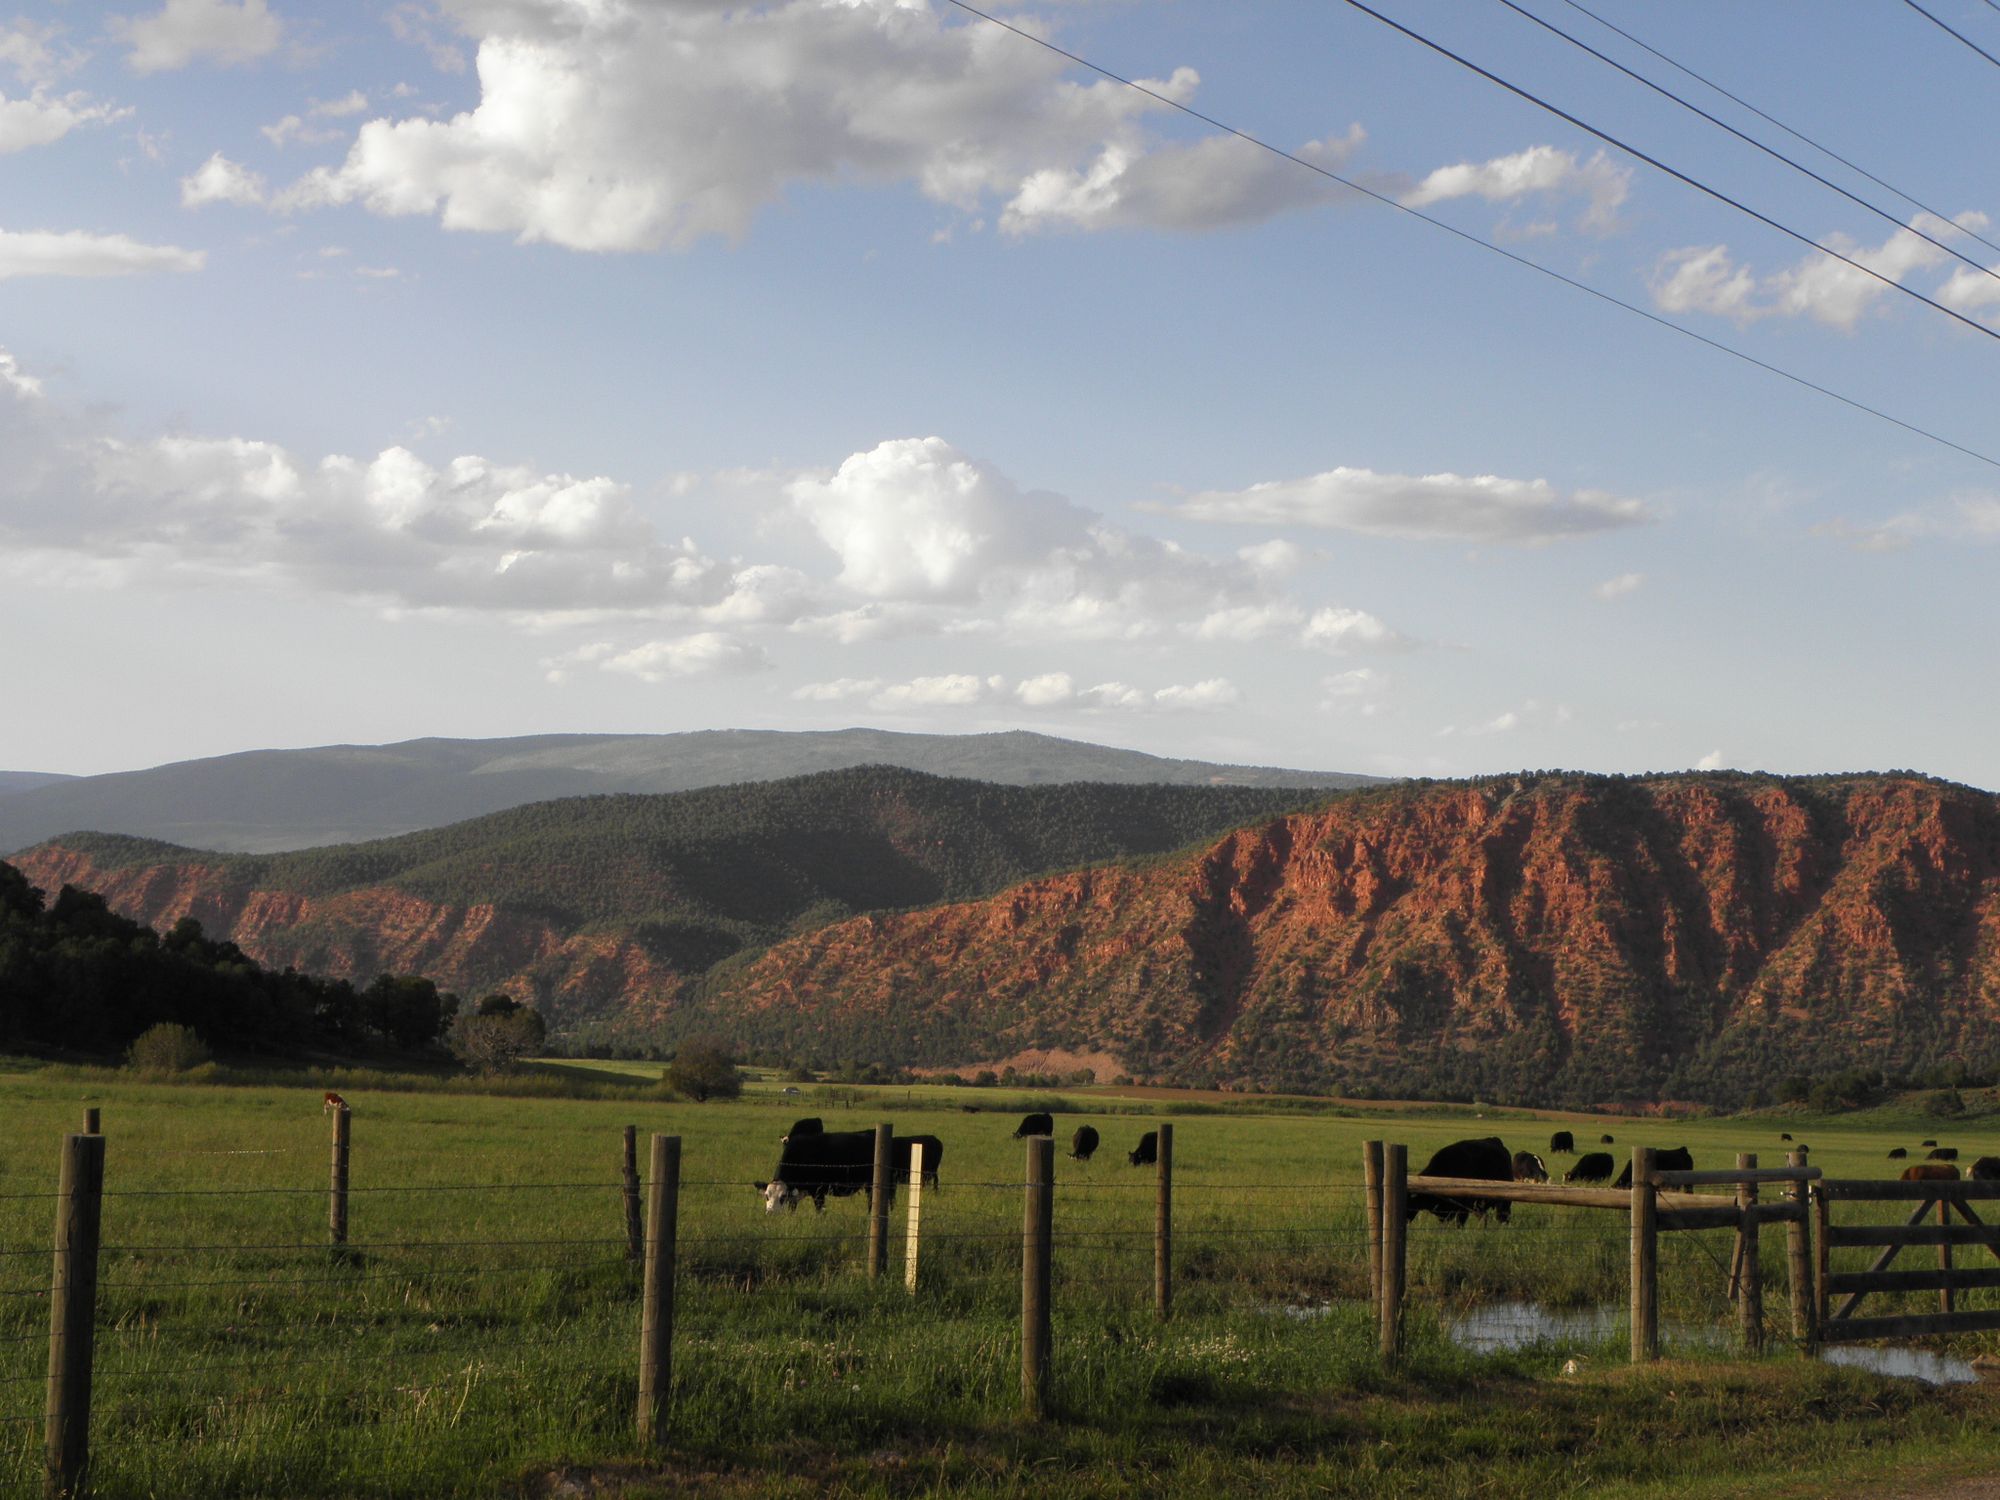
77,977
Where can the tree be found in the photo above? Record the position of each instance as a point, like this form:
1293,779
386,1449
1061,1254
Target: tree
167,1048
494,1038
704,1070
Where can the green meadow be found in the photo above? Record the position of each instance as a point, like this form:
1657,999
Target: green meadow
481,1337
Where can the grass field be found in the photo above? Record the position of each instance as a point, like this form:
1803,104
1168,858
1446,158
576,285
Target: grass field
483,1337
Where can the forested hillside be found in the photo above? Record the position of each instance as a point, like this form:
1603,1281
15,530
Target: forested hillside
594,905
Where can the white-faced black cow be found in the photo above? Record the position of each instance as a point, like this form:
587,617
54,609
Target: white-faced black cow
1035,1125
1986,1169
1529,1167
1486,1158
1148,1152
1083,1144
838,1163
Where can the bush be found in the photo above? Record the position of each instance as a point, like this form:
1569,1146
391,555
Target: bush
167,1048
1944,1104
704,1070
497,1035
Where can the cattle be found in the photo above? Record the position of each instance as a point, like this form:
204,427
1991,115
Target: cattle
333,1102
1528,1167
1784,1135
1594,1167
1943,1153
1986,1169
1083,1144
1930,1171
1671,1159
1034,1125
813,1126
1486,1157
1562,1142
1897,1153
1926,1143
839,1163
1148,1153
1604,1140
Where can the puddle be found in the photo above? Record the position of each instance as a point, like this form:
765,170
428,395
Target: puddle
1910,1364
1498,1326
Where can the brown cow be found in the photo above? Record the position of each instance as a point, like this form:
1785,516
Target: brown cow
1930,1171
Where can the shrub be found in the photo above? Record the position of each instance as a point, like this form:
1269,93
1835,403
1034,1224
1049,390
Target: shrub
167,1048
704,1070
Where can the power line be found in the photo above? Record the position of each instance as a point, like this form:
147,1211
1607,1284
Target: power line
1674,172
1770,119
1485,244
1771,151
1941,26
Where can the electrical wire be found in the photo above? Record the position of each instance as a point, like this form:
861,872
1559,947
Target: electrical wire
1674,172
1748,139
1796,134
1485,244
1961,36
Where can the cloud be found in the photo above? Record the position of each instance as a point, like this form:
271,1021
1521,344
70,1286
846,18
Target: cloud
220,180
76,253
301,129
616,127
1617,588
1968,517
43,117
1707,279
1710,762
1542,170
1047,691
185,31
709,652
1357,691
1344,630
1428,507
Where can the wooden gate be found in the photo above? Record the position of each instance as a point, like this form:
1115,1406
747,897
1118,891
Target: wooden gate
1949,1201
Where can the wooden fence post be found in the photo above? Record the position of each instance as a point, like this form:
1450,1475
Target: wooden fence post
1037,1225
1395,1208
73,1316
656,1318
1822,1259
90,1120
1645,1258
336,1195
1798,1262
1944,1256
1750,1304
916,1205
1163,1227
1371,1188
879,1190
635,1229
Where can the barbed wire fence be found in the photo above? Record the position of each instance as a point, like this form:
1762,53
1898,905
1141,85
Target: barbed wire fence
241,1341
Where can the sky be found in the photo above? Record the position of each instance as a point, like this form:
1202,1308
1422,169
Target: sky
492,367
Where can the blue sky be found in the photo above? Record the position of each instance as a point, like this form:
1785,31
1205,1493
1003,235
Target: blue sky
510,366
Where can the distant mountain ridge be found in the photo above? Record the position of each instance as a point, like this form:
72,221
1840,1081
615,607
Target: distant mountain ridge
262,801
26,781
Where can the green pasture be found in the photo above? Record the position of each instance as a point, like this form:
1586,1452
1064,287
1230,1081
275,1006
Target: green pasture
483,1333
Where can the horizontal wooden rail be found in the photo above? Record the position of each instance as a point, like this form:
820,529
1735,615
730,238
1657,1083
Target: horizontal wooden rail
1882,1190
1547,1192
1913,1234
1730,1176
1728,1215
1913,1281
1854,1330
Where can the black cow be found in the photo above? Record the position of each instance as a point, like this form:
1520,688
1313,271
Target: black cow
1604,1140
1594,1167
899,1157
1986,1169
1529,1167
1487,1158
1034,1125
1148,1153
1083,1143
1943,1153
1897,1153
1671,1159
1784,1135
813,1126
839,1163
1562,1141
1926,1143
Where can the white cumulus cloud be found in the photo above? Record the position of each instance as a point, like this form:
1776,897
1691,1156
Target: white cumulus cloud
43,117
220,180
35,252
186,31
704,653
1542,170
1617,588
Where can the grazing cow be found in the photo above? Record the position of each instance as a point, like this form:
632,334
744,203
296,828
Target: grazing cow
1784,1135
813,1126
333,1102
1897,1153
1671,1159
1930,1171
1926,1143
1486,1157
840,1163
1943,1153
1034,1125
1083,1143
1595,1167
1148,1153
1562,1142
1529,1167
1986,1169
1604,1140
